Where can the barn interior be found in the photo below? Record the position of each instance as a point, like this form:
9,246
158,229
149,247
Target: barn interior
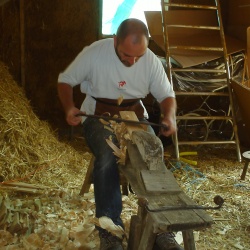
44,161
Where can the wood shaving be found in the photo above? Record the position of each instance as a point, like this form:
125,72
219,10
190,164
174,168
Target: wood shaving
119,100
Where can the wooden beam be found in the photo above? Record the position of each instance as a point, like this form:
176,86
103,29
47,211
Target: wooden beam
22,43
248,50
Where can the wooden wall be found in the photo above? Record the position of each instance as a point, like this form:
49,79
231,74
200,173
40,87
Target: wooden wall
10,36
54,33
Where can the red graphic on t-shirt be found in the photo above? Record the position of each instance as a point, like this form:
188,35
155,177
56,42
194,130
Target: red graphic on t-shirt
122,84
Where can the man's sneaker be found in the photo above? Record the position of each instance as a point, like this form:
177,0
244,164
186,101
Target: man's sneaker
109,241
166,241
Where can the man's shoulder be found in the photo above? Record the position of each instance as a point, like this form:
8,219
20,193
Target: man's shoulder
151,53
96,47
152,57
102,42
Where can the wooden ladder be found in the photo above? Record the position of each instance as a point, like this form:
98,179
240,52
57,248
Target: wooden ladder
196,30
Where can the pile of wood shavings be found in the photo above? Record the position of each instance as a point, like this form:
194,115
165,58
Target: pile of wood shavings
120,131
29,150
57,220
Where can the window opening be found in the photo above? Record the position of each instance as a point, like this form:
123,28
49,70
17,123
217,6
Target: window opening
115,11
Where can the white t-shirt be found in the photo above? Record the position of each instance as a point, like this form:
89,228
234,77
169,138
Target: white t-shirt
102,75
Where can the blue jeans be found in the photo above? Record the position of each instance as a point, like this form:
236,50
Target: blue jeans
106,179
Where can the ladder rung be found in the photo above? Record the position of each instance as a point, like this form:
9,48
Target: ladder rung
186,117
178,93
193,6
196,48
205,142
192,26
199,70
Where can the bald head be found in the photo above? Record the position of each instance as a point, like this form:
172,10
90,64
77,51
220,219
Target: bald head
134,27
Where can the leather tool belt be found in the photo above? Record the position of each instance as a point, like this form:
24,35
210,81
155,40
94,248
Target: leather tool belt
110,106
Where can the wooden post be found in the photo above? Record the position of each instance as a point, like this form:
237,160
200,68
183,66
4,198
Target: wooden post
148,236
22,43
188,238
134,233
88,177
248,50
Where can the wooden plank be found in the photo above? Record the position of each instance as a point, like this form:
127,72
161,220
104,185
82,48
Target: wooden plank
130,115
22,42
22,189
159,181
131,172
248,50
23,184
150,148
149,145
201,213
175,220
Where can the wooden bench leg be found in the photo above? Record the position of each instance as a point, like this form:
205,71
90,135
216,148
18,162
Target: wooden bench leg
188,238
88,178
243,175
124,184
137,224
148,236
142,236
134,233
246,156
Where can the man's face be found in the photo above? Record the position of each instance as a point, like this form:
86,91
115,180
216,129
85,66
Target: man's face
129,51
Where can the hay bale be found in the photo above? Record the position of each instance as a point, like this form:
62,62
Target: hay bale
29,148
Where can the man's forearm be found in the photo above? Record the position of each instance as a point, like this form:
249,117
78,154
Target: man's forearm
65,93
168,107
168,111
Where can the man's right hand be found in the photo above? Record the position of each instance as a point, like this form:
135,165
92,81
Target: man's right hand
72,118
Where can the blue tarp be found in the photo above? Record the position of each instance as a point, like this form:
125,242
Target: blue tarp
123,12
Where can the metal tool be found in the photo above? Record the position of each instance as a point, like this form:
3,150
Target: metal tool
108,118
218,200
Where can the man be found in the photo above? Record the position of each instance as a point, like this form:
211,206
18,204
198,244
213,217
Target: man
107,70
